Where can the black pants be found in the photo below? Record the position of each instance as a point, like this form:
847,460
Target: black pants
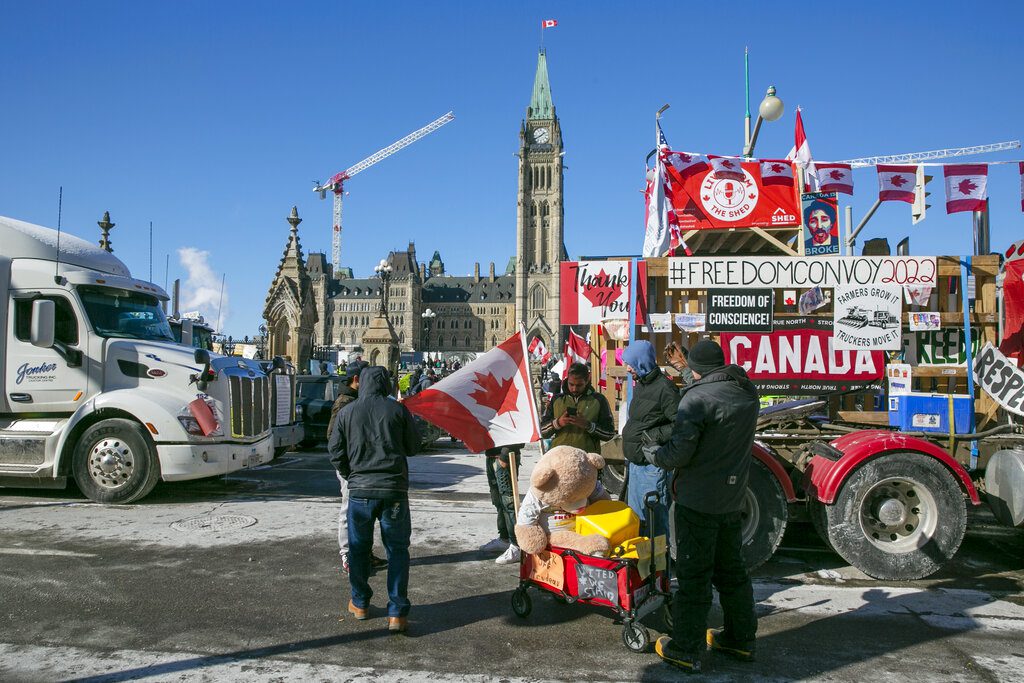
499,480
708,551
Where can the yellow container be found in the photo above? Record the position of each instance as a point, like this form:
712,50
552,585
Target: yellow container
609,518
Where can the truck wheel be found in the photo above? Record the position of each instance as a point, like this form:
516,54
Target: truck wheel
818,513
900,516
613,476
113,462
764,514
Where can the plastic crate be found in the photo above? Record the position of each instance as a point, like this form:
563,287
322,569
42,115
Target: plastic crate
917,412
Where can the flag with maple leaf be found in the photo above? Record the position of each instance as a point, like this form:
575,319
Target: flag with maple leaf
801,155
657,231
686,164
539,351
835,178
896,183
577,350
777,172
593,291
966,187
726,168
487,403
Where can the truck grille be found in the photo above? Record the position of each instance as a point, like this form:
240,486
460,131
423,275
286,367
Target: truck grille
250,405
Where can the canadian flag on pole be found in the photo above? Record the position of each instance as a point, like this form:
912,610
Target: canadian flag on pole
686,164
658,231
539,351
835,178
896,183
548,23
724,168
487,403
577,350
966,187
777,172
801,154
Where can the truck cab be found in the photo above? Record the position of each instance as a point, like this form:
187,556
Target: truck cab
94,387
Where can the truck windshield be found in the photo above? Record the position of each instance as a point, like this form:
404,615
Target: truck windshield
121,313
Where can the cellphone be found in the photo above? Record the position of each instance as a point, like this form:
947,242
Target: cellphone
570,411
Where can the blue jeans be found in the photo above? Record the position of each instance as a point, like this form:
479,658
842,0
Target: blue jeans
396,532
644,479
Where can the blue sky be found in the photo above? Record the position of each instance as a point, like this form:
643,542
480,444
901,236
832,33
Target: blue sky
211,119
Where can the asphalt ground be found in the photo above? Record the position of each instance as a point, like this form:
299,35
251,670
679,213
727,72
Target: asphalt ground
237,578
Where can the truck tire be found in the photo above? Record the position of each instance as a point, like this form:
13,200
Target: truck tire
765,514
898,517
818,513
113,462
613,476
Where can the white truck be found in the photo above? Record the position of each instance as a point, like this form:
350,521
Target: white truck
94,387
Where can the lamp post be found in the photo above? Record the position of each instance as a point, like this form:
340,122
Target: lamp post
428,317
771,109
383,271
228,346
263,341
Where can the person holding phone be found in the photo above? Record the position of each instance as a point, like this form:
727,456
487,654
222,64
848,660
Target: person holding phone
579,416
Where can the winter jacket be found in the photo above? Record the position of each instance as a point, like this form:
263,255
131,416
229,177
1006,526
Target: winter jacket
591,406
373,436
652,411
345,396
711,442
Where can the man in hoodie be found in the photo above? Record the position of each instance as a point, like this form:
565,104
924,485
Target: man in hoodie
709,457
652,410
579,416
371,440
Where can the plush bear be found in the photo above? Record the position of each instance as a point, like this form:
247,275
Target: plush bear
563,483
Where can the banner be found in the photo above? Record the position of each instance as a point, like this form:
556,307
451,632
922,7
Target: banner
943,347
785,271
821,223
868,317
593,291
746,311
704,202
1000,378
799,358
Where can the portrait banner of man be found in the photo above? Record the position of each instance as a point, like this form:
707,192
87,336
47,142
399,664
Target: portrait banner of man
821,223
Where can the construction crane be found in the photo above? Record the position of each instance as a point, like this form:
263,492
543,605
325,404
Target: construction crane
337,181
916,157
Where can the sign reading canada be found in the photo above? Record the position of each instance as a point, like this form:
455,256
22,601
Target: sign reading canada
686,272
733,311
1000,378
706,202
593,291
799,358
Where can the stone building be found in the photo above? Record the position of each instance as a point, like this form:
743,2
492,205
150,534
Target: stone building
290,308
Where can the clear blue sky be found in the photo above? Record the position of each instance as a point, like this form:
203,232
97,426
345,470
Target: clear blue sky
211,119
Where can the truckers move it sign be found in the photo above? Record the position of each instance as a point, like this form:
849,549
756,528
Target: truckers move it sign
868,318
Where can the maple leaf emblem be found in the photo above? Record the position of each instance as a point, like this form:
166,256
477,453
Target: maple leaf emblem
726,163
966,186
752,195
600,292
706,198
500,395
777,168
790,301
898,181
836,175
685,158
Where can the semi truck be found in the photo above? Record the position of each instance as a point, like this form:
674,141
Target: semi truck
94,387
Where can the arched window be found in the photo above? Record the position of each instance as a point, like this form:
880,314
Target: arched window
468,342
538,302
454,343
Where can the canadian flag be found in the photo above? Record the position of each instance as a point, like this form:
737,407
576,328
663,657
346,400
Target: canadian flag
577,350
801,154
548,23
966,187
835,178
686,164
539,351
724,168
896,183
777,172
487,403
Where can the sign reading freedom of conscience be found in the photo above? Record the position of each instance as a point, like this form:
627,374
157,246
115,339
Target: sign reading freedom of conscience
786,271
733,311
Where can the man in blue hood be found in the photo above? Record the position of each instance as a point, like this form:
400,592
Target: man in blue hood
369,445
652,410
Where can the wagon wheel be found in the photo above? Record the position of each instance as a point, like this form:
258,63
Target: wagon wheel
636,637
521,603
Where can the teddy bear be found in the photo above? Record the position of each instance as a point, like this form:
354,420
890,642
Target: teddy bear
563,482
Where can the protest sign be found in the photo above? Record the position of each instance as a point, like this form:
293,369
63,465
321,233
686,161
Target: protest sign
594,291
1000,378
868,317
821,223
784,271
730,310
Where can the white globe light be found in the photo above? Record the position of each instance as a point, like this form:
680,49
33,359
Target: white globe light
771,106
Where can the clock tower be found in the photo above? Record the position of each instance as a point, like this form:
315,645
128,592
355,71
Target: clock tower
539,215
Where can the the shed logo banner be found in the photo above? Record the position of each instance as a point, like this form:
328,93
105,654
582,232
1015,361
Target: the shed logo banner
868,318
593,291
785,271
1000,378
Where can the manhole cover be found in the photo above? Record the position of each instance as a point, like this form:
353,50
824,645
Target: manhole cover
214,523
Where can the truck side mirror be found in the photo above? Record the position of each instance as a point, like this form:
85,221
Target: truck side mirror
41,329
202,380
186,333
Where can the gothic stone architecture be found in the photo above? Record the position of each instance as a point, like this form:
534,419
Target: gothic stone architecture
310,299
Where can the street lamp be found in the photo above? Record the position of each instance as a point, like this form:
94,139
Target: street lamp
428,317
228,346
263,341
383,271
771,109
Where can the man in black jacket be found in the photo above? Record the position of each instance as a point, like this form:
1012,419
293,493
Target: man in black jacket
710,454
369,445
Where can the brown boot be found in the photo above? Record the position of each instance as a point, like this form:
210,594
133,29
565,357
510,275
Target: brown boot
398,624
359,613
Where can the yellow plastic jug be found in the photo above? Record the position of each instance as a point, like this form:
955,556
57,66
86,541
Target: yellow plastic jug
609,518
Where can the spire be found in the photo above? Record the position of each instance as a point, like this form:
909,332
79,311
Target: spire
540,103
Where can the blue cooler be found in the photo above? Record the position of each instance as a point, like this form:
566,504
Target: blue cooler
930,412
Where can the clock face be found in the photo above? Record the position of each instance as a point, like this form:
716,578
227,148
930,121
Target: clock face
541,135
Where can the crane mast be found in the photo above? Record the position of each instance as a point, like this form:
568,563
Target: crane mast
934,154
337,181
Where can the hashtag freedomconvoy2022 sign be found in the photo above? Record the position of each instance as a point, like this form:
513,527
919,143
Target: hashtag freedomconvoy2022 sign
786,271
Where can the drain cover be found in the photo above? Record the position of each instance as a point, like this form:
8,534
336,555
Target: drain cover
214,523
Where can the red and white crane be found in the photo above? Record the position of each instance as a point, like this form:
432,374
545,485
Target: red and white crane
337,181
